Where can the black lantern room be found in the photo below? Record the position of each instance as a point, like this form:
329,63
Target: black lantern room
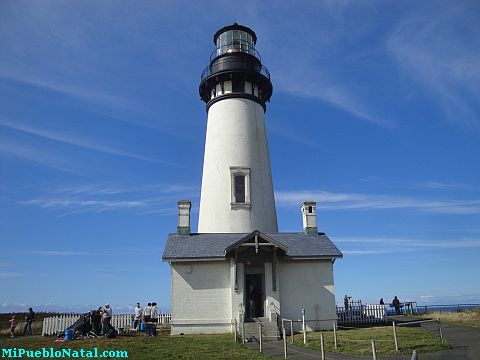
235,69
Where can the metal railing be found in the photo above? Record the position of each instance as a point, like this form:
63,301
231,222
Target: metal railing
239,66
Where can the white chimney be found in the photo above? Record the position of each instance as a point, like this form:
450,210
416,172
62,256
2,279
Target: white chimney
309,217
184,207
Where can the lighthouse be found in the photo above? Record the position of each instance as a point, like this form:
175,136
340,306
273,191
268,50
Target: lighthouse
237,189
237,270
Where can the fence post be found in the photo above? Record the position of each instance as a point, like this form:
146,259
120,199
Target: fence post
395,336
284,341
335,334
440,329
291,329
304,328
321,346
374,350
260,335
235,330
243,332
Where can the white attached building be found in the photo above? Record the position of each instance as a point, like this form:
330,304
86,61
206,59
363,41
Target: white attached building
238,266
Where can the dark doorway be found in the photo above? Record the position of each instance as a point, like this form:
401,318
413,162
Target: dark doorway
254,295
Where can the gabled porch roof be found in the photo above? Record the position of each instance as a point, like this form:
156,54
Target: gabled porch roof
256,236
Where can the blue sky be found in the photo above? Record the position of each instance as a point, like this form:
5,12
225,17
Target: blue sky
375,115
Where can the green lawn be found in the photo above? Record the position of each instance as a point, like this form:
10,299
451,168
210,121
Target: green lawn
358,341
468,318
158,347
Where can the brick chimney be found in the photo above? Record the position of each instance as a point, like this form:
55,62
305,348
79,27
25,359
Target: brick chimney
309,217
184,207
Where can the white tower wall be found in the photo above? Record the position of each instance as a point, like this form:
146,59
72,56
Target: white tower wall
236,138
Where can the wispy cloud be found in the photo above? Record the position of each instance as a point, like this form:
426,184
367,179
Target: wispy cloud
86,94
374,245
62,253
411,243
9,274
336,95
96,198
438,48
348,201
39,156
75,140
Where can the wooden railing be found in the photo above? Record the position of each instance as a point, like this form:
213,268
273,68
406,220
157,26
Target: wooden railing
362,314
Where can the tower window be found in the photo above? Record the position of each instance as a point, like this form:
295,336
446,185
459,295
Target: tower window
310,209
240,178
240,188
238,86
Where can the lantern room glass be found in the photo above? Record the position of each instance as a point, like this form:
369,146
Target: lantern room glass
235,41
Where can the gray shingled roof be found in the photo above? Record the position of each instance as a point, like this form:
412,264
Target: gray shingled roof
213,245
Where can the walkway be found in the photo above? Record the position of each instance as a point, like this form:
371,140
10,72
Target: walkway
464,341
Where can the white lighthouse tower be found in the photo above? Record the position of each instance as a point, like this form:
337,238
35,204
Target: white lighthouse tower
238,271
237,190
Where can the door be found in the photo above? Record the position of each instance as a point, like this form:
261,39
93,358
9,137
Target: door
254,295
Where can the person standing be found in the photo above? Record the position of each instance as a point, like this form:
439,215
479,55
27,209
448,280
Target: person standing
29,318
137,317
396,305
155,315
345,303
154,312
382,302
147,313
106,312
13,325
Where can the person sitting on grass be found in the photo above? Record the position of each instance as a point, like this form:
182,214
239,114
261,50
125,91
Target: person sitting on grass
13,325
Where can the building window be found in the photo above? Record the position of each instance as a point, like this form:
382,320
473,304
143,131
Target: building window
240,178
310,209
238,86
239,188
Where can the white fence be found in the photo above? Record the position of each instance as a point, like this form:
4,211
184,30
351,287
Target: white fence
362,314
52,325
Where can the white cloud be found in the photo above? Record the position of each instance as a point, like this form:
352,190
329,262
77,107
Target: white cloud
438,48
347,201
408,243
39,156
9,274
76,140
144,199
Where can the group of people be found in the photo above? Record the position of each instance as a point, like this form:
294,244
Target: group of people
29,319
106,313
395,303
149,315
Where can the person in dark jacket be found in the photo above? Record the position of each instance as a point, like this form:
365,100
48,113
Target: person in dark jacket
396,305
29,318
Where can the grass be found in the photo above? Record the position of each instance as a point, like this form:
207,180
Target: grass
358,341
208,347
468,318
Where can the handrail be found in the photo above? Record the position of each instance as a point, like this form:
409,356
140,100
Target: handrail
208,71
